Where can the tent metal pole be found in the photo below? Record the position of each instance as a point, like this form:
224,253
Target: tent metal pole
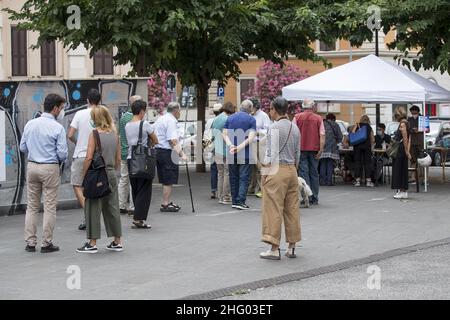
377,106
425,169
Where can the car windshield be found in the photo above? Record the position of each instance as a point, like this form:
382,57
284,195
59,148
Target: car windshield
342,127
391,128
434,128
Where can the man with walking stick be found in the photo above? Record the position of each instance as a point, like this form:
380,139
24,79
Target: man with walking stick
168,154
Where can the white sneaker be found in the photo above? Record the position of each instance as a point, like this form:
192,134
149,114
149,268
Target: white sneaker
370,184
401,195
271,255
357,184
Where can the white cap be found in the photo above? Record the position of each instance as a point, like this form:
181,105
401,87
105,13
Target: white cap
308,103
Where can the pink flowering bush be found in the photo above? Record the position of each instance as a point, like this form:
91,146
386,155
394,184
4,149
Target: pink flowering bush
158,94
270,79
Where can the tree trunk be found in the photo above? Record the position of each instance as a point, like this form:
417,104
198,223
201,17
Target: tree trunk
202,101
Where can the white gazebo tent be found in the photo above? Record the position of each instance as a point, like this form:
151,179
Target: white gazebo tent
368,80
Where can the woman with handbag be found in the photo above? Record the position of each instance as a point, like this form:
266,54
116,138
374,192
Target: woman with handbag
139,134
103,152
400,153
362,152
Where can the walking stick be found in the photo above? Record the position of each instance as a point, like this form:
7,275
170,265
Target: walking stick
187,167
190,189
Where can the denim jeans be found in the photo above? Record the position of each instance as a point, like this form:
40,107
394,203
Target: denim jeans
214,177
308,171
239,180
326,171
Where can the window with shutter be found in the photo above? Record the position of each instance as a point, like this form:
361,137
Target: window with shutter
48,59
103,62
245,86
18,51
327,46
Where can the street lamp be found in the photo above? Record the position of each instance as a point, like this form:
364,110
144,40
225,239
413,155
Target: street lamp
374,24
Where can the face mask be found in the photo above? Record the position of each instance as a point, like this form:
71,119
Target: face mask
60,116
379,133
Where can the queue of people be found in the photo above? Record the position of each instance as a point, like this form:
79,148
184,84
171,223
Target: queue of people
252,153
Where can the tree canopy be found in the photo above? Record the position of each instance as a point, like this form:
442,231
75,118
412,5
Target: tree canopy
199,40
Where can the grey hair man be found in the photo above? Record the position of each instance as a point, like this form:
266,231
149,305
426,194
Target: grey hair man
125,199
168,150
312,132
238,134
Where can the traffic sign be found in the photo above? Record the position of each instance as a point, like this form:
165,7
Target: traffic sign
220,91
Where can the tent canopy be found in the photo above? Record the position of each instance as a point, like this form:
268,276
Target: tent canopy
367,80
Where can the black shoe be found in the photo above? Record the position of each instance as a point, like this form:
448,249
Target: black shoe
213,195
87,248
314,202
49,248
114,247
82,226
29,248
123,211
242,206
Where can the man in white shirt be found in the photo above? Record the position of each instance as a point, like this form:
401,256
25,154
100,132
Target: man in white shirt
262,128
79,131
168,152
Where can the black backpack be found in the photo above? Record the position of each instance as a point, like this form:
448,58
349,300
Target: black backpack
95,183
143,162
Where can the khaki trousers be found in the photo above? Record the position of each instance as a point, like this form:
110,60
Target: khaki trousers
125,187
42,179
223,178
281,203
259,151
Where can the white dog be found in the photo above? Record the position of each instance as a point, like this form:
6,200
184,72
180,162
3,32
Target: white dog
304,191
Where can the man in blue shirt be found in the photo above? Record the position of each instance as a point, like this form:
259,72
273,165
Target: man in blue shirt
238,134
44,141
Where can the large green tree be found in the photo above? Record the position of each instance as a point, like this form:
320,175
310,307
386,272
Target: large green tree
422,29
200,40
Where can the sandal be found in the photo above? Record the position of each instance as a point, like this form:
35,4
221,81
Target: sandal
140,225
175,205
170,208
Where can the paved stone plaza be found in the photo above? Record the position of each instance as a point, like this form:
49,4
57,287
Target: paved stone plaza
191,254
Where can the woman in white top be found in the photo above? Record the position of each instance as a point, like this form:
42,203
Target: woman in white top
141,189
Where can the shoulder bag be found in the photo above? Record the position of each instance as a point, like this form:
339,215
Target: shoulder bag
143,160
392,151
358,137
95,182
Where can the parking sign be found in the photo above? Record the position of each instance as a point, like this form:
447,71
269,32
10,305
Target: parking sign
220,91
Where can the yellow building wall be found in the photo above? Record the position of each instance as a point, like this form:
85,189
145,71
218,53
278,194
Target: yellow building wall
250,68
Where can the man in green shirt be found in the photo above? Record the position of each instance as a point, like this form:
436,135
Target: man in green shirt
126,206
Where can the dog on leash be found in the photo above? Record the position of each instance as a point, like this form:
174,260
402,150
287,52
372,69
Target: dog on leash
304,191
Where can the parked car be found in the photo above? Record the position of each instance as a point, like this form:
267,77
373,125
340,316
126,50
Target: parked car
436,155
187,133
391,128
343,126
438,129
